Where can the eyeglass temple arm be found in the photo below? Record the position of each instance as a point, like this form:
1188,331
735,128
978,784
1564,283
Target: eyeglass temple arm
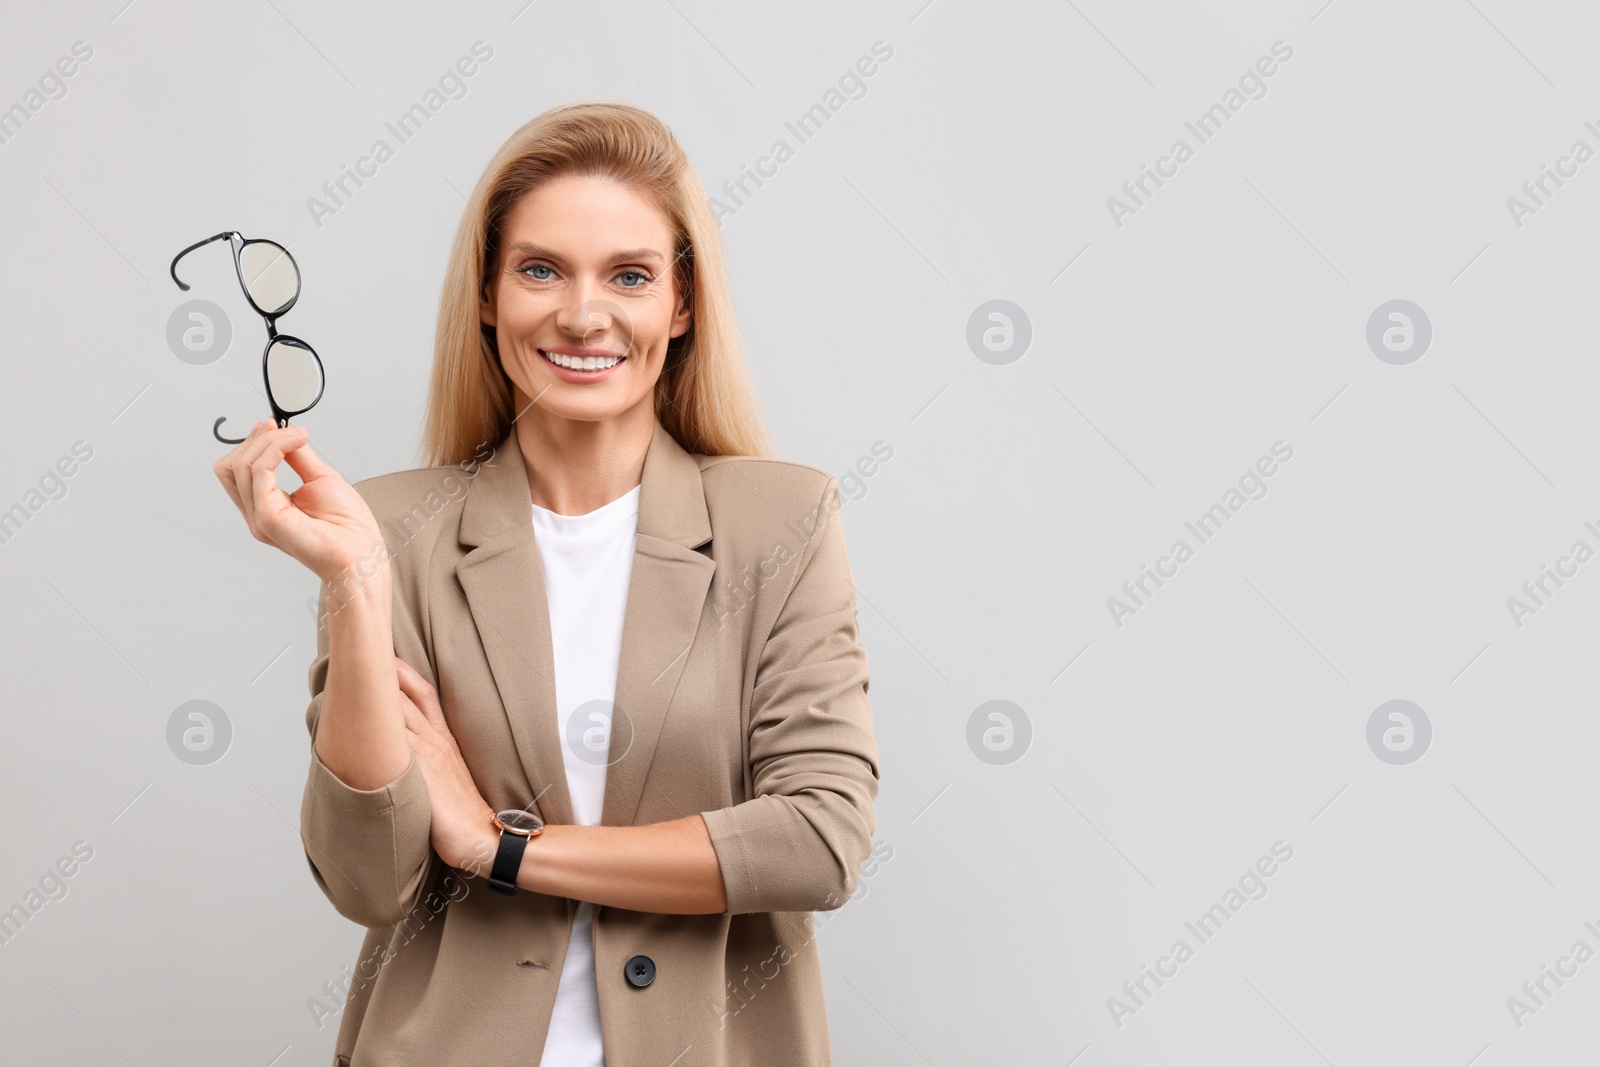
191,248
216,429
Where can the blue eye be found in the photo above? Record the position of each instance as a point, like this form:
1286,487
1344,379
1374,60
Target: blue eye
644,278
532,267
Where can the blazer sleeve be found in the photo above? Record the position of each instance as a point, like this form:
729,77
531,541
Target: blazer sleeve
370,850
800,842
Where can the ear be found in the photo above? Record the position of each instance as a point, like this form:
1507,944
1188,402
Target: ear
680,321
486,305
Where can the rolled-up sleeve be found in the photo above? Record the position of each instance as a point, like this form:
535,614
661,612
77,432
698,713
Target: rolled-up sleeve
799,844
369,850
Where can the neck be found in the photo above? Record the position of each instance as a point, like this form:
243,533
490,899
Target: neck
575,466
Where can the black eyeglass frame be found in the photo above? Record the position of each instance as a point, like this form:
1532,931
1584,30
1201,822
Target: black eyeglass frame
239,243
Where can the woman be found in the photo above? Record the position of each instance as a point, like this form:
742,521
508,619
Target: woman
600,606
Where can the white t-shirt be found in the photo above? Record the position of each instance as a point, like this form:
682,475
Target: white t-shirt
588,561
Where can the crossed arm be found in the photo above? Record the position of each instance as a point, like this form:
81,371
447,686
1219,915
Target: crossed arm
667,867
374,770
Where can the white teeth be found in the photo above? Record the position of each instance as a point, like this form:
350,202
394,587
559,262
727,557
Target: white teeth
583,363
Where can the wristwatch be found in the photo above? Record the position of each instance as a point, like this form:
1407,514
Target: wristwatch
516,826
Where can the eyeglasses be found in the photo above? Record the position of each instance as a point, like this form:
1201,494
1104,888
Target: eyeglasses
271,282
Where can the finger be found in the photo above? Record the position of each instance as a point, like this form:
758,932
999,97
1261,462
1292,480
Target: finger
415,686
418,735
419,749
305,462
271,503
243,474
264,474
410,681
223,468
414,719
427,703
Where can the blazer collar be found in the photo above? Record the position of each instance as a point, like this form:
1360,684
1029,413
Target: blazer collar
672,502
503,580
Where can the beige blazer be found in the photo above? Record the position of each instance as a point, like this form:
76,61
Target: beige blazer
741,695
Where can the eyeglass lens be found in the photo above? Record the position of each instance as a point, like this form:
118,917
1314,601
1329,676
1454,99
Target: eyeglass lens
270,276
294,375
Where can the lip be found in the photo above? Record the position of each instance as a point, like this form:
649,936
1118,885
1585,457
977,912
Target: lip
581,377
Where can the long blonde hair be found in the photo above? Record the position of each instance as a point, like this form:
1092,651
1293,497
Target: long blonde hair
704,397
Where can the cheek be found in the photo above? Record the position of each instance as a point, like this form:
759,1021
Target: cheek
652,321
521,312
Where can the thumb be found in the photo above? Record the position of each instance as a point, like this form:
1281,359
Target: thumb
306,463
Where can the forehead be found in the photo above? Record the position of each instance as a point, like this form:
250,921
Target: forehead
586,218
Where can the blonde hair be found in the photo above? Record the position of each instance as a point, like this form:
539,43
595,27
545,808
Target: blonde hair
704,396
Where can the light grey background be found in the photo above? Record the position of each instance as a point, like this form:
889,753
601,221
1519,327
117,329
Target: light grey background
1227,313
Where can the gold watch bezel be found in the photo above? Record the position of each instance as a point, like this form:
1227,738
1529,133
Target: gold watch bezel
494,817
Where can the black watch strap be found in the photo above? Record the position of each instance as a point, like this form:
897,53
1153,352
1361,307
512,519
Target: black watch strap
507,861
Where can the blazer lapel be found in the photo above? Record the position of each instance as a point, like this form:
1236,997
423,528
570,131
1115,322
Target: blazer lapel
504,586
503,581
666,597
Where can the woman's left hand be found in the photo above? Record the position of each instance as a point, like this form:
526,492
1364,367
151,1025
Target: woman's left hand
460,814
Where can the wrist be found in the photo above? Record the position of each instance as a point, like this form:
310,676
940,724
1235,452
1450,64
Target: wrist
476,845
368,577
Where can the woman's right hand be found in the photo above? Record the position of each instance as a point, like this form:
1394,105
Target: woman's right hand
325,524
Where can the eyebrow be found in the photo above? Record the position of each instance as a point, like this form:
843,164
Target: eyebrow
633,253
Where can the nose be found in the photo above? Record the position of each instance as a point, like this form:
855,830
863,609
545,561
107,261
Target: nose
587,322
583,314
595,321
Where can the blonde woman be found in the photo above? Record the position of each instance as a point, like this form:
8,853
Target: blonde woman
590,731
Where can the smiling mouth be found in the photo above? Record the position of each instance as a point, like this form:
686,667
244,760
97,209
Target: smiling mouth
582,363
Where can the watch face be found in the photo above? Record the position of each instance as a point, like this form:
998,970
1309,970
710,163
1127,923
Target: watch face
519,822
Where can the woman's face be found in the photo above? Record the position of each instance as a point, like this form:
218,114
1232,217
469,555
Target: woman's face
585,276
